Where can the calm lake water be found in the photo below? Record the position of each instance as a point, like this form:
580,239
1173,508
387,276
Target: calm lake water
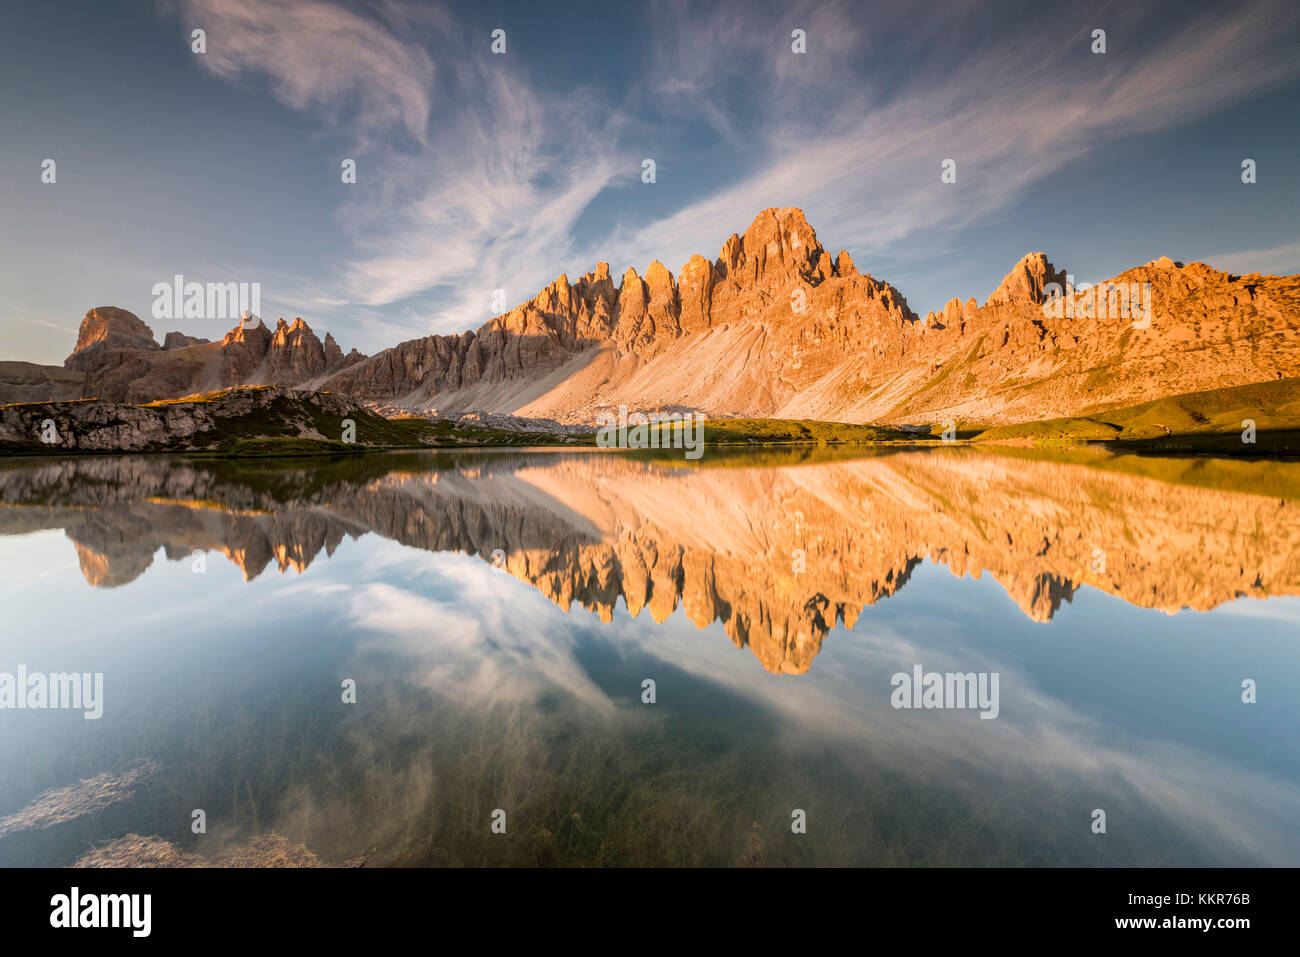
500,613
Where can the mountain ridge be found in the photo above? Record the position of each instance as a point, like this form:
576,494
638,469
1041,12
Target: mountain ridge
773,327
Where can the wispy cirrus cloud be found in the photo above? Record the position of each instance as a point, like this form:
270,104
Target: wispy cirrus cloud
318,56
1283,260
864,161
494,206
486,200
26,315
479,172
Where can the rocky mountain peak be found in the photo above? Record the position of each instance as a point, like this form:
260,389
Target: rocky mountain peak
107,329
779,243
657,276
1027,279
295,354
249,335
333,352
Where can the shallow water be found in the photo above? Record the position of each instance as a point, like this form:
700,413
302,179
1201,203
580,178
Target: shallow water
499,613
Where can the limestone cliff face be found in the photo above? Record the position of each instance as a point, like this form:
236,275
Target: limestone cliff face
106,330
1014,361
773,326
779,556
1027,280
774,300
244,351
290,356
295,354
776,326
531,341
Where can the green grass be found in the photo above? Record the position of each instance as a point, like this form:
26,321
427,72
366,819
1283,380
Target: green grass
763,431
1255,475
448,434
200,398
1208,422
284,419
1198,422
781,432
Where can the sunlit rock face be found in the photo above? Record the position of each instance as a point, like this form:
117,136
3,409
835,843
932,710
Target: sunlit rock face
1028,281
122,362
774,325
780,556
107,330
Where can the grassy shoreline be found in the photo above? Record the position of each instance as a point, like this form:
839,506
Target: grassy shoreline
1261,420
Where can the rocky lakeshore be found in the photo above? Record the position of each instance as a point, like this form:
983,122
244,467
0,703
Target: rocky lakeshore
249,420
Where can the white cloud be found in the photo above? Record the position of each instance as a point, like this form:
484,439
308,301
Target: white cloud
494,639
490,197
1011,116
497,204
319,56
1281,260
20,314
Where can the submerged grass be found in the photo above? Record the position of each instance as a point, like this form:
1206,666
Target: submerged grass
414,781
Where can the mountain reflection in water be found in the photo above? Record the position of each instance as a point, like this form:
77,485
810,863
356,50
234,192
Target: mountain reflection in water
451,586
778,555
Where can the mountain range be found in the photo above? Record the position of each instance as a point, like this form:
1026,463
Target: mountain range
592,531
774,326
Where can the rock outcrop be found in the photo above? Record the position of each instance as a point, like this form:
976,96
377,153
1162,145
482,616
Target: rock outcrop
741,333
199,422
1027,280
106,330
249,354
178,340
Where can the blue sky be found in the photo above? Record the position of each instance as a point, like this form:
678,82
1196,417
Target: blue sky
478,172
